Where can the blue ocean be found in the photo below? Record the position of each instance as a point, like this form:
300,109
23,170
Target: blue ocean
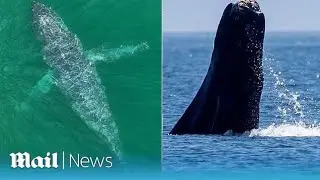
288,139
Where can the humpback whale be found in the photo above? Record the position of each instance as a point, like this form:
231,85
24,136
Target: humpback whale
229,97
75,74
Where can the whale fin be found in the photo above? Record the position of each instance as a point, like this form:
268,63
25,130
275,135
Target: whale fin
110,55
43,86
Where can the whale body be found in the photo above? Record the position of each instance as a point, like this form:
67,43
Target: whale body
229,97
74,74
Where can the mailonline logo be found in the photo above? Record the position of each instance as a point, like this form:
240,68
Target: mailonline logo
24,160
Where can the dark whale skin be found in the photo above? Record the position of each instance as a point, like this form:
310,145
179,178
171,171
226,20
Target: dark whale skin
229,97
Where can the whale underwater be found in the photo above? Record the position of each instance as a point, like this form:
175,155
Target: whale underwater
229,97
74,73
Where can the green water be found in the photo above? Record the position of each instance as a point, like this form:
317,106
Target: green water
46,121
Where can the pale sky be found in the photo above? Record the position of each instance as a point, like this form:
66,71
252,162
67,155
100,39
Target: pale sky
204,15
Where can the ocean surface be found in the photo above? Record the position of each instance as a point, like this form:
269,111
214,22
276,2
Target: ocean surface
122,39
288,139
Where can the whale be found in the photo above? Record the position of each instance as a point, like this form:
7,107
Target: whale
74,73
229,97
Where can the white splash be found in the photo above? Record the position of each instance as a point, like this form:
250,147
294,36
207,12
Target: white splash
297,129
290,106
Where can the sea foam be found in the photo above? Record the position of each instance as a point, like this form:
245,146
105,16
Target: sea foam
296,129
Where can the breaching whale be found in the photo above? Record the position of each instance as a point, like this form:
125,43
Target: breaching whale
229,97
75,74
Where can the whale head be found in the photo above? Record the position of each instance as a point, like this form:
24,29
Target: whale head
247,18
242,29
48,26
39,10
250,5
239,47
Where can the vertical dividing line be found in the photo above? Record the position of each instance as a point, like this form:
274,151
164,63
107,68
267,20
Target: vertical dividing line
63,160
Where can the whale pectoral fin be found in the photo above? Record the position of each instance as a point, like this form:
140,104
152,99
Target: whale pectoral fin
44,85
110,55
